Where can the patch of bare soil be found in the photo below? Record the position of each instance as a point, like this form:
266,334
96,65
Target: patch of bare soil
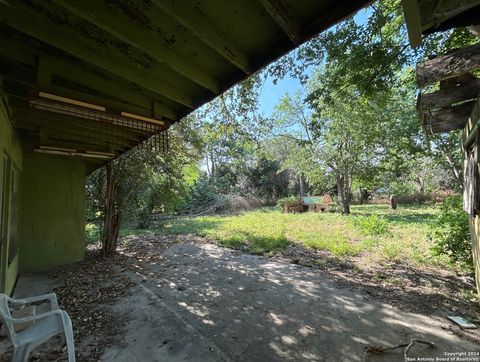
427,291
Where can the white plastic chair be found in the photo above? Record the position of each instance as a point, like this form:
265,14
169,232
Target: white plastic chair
43,327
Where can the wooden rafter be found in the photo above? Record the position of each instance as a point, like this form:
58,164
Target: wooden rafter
105,92
28,85
446,97
451,65
40,28
284,17
207,33
66,122
120,27
130,134
112,89
448,119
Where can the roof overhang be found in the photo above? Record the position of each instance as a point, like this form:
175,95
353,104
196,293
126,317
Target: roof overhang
428,16
108,65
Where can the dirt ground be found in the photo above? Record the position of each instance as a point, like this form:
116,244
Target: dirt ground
162,299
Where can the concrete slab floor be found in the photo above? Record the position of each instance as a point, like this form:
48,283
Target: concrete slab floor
30,285
200,302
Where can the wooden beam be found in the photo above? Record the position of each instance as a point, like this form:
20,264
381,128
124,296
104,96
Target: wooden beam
110,89
13,49
284,17
19,73
21,108
448,119
119,26
80,127
447,96
411,11
67,92
37,26
451,65
190,18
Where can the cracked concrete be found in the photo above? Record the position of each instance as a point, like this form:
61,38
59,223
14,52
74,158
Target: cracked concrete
200,302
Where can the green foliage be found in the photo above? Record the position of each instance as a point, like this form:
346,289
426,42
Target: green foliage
92,233
200,197
372,225
146,181
281,202
451,232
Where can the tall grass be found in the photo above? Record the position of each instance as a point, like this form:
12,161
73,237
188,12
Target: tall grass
374,231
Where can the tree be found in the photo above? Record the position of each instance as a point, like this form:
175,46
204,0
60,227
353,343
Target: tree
292,131
141,180
350,135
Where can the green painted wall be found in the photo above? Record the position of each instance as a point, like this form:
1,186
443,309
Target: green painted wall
52,222
10,147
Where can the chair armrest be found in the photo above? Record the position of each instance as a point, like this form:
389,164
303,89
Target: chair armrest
51,297
58,312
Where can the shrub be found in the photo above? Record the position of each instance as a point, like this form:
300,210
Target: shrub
451,233
371,225
201,196
92,233
281,202
335,206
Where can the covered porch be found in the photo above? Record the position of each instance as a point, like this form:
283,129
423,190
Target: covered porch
81,83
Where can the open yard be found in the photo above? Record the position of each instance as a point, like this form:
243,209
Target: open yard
323,288
372,231
387,253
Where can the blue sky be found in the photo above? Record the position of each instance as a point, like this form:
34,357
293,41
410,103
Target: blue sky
272,93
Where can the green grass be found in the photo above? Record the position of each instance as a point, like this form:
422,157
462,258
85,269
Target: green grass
372,232
371,229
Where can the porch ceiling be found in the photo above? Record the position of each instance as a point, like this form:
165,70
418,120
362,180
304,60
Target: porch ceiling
159,59
429,16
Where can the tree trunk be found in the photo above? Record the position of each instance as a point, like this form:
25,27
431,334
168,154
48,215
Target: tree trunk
421,185
364,195
111,221
457,174
302,186
343,194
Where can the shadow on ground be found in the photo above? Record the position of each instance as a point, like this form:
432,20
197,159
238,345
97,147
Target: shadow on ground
205,303
162,299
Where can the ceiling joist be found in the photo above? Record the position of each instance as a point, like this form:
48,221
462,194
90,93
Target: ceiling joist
120,27
42,29
135,101
190,18
284,17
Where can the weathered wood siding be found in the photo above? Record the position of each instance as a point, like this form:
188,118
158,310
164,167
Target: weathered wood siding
469,131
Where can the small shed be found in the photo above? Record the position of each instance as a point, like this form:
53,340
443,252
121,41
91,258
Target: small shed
309,203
